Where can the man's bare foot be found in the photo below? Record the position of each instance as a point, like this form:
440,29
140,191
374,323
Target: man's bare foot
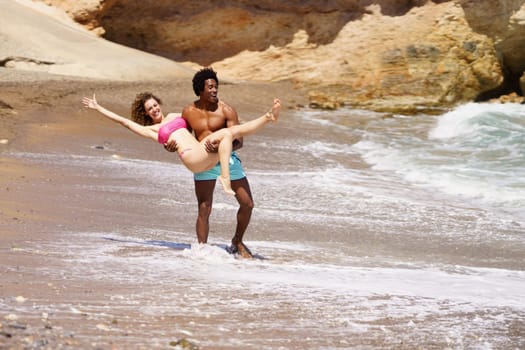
240,249
227,186
244,251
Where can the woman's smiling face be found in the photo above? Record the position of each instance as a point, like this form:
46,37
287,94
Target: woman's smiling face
152,108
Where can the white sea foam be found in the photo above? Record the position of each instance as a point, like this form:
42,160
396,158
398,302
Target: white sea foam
90,258
473,119
475,151
204,282
353,254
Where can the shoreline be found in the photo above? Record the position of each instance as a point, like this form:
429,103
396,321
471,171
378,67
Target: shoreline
90,215
43,112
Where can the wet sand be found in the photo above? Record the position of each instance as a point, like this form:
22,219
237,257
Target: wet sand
94,232
42,113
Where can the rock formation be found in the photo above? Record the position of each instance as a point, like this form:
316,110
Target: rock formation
396,55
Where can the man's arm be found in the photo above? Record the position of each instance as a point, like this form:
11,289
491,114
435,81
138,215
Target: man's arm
230,119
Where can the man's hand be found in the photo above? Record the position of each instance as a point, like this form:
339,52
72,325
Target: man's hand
212,146
171,146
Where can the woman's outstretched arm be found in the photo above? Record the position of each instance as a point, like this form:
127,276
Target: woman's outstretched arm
138,129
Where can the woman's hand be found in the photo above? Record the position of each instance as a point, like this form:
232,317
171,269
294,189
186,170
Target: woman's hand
90,102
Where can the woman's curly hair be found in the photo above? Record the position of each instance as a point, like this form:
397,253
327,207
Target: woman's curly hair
200,77
138,112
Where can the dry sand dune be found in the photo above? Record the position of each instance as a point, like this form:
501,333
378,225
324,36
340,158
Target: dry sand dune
36,37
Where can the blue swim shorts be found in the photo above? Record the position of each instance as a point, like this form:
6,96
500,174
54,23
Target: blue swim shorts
236,170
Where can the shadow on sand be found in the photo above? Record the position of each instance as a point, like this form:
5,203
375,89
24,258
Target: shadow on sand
174,245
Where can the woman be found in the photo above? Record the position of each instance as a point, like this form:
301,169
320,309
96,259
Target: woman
149,122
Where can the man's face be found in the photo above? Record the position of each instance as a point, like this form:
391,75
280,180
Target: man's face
210,91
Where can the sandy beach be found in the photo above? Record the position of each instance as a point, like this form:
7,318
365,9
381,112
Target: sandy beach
42,113
98,240
372,230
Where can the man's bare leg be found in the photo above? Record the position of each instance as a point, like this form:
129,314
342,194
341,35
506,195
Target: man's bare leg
244,197
204,192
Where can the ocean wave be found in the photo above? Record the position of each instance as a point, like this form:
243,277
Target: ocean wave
475,151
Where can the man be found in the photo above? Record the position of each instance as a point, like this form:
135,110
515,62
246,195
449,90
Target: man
204,116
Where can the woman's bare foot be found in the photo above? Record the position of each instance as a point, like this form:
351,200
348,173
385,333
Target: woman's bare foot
273,114
276,109
226,186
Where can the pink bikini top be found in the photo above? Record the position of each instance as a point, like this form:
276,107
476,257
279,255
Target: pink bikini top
167,129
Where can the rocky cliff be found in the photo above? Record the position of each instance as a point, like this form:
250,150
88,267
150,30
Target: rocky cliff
400,55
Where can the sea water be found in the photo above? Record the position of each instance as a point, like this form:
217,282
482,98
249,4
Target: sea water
376,232
475,152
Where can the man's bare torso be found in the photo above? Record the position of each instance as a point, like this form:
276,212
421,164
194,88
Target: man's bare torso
206,121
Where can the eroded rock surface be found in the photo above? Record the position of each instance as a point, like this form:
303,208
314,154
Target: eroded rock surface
384,54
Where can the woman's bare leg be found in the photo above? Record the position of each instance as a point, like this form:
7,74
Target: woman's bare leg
251,127
225,151
227,135
225,138
248,128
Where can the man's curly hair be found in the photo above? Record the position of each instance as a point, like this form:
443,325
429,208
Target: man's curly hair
138,112
200,77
